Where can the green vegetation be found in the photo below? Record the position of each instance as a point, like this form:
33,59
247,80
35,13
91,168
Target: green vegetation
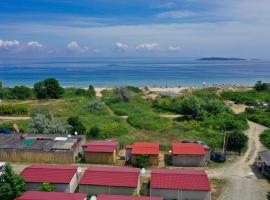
40,124
259,116
12,185
48,89
265,138
76,125
46,187
14,109
260,86
142,161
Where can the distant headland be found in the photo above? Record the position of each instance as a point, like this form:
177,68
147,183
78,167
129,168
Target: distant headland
220,59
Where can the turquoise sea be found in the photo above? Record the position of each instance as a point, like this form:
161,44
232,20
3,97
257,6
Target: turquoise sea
133,71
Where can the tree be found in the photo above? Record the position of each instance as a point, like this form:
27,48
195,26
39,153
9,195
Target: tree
12,185
46,187
21,92
48,89
122,94
142,161
237,141
91,91
40,124
76,125
94,131
191,106
260,86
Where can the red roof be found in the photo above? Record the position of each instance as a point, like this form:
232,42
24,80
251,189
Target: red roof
119,197
187,149
49,173
179,180
111,176
30,195
100,146
146,148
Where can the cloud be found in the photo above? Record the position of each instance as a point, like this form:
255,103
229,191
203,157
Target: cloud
74,45
163,5
178,14
6,44
174,48
147,46
121,46
34,44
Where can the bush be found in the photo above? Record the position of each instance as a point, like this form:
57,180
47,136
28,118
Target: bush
237,142
40,124
91,91
46,187
258,116
80,92
48,89
21,92
265,138
142,161
94,132
76,125
260,86
122,94
12,185
14,109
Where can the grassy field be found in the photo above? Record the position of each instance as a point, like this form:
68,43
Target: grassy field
142,121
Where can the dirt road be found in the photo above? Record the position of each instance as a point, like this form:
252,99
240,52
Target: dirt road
244,180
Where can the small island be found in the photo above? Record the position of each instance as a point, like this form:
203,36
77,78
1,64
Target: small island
220,59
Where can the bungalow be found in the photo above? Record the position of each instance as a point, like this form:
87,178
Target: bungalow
188,155
264,162
145,148
101,152
180,184
64,178
31,195
119,197
110,180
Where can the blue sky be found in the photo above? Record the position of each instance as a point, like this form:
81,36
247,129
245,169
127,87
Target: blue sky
93,28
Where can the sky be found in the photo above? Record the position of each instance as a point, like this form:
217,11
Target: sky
131,28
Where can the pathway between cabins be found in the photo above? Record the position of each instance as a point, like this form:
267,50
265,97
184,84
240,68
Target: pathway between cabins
245,182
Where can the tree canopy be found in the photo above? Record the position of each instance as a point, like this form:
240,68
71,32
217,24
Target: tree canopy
77,125
46,187
12,185
260,86
48,89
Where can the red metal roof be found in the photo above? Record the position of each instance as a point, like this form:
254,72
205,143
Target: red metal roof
146,148
119,197
49,173
179,179
187,149
111,176
100,146
30,195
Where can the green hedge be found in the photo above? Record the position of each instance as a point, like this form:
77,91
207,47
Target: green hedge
14,109
265,138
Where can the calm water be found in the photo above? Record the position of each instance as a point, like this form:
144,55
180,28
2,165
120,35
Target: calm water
139,71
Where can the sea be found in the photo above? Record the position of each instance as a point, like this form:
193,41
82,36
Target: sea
113,72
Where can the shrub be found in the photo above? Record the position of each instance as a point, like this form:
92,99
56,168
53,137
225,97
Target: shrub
12,185
237,142
46,187
258,116
14,109
91,91
80,92
122,94
48,89
40,124
142,161
260,86
94,132
76,125
95,106
265,138
21,92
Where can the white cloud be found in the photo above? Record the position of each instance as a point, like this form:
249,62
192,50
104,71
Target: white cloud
6,44
34,44
74,45
147,46
121,46
164,5
174,48
178,14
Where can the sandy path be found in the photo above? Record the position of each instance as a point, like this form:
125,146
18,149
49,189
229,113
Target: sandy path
244,180
13,118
